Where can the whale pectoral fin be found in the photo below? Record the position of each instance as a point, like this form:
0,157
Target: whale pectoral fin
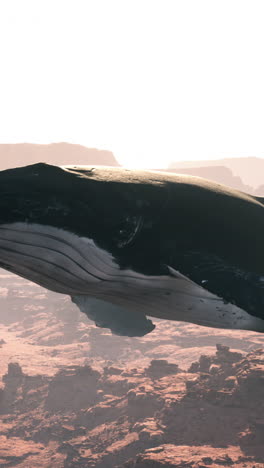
229,282
118,320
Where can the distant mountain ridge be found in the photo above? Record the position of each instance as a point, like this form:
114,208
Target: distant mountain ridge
219,174
250,169
22,154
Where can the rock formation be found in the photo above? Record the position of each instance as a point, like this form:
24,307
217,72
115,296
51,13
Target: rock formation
209,415
73,395
22,154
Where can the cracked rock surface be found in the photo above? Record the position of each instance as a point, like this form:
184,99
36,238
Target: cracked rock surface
73,395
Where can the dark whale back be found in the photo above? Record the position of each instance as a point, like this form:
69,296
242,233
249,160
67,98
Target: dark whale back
185,211
126,210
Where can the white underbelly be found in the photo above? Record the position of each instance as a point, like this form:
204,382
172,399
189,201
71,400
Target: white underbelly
67,263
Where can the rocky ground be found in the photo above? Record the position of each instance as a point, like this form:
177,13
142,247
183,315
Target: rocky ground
74,395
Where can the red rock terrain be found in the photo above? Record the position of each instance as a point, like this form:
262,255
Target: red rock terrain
74,395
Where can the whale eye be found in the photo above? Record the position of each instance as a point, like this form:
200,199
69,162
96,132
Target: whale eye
129,230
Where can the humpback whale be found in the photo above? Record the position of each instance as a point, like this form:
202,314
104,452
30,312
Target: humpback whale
127,245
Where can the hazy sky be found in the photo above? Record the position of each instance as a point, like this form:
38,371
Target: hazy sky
149,80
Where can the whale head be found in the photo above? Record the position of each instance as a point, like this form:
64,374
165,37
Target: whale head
60,226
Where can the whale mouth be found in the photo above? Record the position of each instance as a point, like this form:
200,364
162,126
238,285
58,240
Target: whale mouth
69,264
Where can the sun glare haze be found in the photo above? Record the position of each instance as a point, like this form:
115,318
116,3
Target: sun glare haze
151,81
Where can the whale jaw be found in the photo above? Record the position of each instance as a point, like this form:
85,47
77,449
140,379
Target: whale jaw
116,298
